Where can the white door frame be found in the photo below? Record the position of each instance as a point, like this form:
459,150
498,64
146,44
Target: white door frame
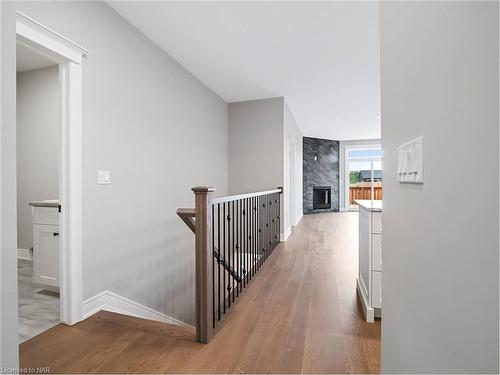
69,57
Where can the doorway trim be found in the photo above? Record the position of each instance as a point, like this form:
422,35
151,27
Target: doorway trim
68,55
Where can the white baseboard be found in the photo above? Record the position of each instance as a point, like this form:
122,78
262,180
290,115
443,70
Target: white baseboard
112,302
298,220
24,254
284,236
369,311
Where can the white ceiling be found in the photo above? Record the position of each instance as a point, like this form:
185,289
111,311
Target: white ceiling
323,57
27,59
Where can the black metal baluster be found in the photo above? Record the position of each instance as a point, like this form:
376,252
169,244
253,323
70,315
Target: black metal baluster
257,233
270,223
242,243
224,220
279,216
237,267
274,219
261,232
271,232
270,239
213,267
252,239
218,257
266,228
248,238
276,196
229,246
277,213
235,244
254,233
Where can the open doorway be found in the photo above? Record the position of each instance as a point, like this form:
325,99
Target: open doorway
49,168
38,160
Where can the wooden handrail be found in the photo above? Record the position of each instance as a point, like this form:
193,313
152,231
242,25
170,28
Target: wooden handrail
236,197
187,215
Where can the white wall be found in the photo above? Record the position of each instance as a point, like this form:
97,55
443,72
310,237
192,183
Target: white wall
255,145
38,145
159,131
292,179
439,78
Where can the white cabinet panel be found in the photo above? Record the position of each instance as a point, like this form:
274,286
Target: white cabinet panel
369,280
377,252
376,289
376,222
364,251
46,215
46,254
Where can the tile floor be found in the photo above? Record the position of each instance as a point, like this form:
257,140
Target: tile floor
38,309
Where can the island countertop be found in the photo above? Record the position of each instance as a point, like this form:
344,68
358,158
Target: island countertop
370,205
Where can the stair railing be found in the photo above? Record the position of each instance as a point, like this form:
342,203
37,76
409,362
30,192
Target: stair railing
234,236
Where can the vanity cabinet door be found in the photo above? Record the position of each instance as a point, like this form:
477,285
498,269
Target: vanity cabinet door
46,254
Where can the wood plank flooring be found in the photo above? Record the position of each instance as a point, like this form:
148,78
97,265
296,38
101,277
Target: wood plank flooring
300,314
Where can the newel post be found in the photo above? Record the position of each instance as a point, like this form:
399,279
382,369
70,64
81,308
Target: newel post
203,262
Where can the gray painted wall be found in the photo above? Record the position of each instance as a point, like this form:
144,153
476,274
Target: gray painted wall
159,131
38,145
322,171
255,145
439,79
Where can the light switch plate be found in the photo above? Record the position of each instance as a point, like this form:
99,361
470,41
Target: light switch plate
411,162
103,177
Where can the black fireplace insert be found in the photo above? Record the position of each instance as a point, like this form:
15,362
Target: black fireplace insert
322,197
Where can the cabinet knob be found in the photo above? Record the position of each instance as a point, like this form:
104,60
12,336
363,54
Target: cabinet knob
55,234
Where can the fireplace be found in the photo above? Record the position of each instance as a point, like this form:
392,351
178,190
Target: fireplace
322,197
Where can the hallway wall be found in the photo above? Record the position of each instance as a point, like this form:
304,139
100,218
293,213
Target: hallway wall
159,131
439,80
255,145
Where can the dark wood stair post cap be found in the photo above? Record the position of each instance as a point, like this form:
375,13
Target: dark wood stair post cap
203,189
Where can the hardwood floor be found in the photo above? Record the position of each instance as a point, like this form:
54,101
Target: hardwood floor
300,314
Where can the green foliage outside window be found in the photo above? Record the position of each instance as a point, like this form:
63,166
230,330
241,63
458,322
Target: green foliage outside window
353,177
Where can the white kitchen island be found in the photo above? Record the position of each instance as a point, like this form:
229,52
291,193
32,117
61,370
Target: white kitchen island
369,279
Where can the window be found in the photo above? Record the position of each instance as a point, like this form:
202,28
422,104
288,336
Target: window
364,173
